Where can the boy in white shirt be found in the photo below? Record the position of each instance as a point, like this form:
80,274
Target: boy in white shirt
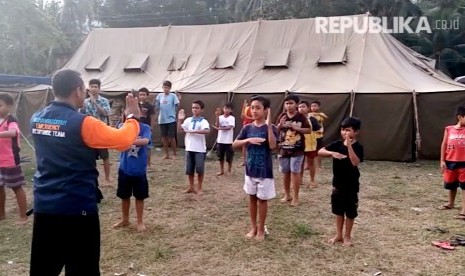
195,127
225,125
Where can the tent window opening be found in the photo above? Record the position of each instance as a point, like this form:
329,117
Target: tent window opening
179,62
226,59
277,58
97,63
137,63
333,55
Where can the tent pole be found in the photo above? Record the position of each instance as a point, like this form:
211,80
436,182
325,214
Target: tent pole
352,103
417,126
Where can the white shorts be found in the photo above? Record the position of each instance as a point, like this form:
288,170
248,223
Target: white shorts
263,188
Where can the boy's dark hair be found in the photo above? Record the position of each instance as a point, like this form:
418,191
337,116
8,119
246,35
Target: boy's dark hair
145,90
264,101
305,103
317,102
351,122
460,111
95,81
167,83
7,99
200,103
292,97
65,81
229,105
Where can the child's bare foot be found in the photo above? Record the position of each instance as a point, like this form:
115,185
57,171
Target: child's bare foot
166,157
141,227
189,191
22,221
335,240
260,236
313,184
347,242
252,233
2,217
294,203
199,192
122,223
286,199
219,173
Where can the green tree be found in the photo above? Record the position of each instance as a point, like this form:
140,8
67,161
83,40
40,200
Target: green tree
27,38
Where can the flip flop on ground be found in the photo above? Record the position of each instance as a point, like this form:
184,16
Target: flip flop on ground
443,244
460,216
445,207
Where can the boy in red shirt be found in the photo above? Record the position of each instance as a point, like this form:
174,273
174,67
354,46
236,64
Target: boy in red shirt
453,161
11,175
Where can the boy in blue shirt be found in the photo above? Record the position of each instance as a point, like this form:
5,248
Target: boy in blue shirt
260,139
132,178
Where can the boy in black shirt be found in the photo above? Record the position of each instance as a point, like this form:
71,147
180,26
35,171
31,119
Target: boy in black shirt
347,154
147,111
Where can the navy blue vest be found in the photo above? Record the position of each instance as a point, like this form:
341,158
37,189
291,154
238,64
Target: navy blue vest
65,182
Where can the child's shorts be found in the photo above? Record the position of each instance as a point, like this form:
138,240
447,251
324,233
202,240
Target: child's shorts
311,154
12,177
344,203
291,164
263,188
454,175
129,185
319,143
195,162
225,150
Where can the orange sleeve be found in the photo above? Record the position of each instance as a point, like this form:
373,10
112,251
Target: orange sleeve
96,134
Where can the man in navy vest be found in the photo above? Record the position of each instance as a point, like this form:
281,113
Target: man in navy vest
66,231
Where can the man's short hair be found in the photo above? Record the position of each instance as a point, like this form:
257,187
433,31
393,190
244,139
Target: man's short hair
7,99
264,101
460,111
200,103
64,82
167,83
351,122
144,89
95,81
292,97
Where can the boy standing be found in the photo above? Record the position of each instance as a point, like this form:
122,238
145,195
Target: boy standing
291,128
11,175
347,154
320,117
310,143
166,104
246,117
259,138
147,111
132,177
99,107
453,161
195,127
225,125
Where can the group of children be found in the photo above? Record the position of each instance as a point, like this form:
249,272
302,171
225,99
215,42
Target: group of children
296,136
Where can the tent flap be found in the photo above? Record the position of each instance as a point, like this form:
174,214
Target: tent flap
138,63
226,59
277,58
98,63
333,54
179,62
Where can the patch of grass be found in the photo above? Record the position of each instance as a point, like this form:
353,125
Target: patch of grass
191,235
303,231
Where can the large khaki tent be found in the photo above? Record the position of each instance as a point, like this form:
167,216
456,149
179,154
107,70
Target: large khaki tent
400,98
28,99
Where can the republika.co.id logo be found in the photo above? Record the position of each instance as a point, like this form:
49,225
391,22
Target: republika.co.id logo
370,24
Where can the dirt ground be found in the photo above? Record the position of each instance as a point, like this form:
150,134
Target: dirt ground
188,235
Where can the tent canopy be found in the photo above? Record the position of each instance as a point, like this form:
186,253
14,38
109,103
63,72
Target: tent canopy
403,102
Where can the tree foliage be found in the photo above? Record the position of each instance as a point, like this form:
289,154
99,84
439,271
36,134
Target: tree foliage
27,38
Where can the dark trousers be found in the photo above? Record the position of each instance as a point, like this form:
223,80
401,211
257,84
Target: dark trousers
72,242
